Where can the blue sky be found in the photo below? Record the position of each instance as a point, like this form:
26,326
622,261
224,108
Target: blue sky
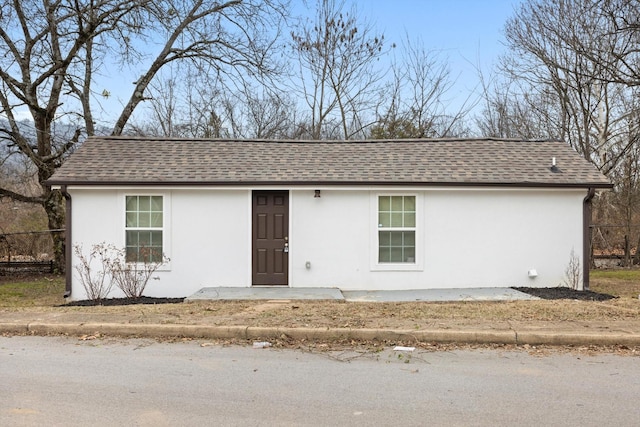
467,27
467,32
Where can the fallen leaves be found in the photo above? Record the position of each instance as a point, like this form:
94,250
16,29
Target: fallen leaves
90,337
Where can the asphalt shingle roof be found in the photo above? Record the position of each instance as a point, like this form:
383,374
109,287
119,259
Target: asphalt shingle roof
165,161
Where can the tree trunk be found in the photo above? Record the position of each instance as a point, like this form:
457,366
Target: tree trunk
592,259
627,251
54,207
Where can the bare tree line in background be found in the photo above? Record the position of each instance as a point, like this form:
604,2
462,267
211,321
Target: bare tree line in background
249,69
333,88
572,72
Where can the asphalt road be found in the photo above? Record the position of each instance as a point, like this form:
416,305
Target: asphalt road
64,381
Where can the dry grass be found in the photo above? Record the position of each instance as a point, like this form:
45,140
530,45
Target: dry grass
33,291
624,283
45,294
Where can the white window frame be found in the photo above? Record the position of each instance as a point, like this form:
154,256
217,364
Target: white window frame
166,219
418,264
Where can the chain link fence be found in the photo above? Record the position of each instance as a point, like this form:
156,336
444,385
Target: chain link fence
30,251
615,245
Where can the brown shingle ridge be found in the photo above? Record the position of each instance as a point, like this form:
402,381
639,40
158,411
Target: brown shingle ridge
323,141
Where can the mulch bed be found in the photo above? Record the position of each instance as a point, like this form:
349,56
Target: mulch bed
124,301
565,293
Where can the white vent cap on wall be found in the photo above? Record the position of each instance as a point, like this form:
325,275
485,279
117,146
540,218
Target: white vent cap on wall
533,273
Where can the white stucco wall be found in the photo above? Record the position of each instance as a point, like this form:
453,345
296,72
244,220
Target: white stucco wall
206,236
469,237
493,238
333,234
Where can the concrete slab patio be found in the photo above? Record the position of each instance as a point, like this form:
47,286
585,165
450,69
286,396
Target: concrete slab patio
266,293
442,295
280,293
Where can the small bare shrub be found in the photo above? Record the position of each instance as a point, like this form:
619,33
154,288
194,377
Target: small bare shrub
96,284
573,272
132,277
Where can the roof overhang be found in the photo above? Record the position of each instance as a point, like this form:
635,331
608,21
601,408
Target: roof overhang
584,185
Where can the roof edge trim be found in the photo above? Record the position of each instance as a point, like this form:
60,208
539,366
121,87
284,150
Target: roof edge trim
327,184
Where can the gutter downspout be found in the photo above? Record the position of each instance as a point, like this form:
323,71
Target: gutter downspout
67,241
586,238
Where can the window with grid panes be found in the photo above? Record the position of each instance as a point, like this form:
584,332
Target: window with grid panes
397,229
144,228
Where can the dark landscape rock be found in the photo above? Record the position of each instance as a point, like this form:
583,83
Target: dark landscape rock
543,293
124,301
565,293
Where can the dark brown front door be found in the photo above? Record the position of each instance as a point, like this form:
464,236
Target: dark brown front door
270,237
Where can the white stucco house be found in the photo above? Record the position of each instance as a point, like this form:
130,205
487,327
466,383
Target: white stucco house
357,215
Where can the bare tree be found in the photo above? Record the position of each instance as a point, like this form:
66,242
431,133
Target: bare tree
571,74
416,104
53,49
336,54
162,118
511,110
256,113
180,105
615,26
547,41
195,106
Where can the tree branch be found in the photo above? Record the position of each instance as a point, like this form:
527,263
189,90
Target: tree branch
4,193
163,57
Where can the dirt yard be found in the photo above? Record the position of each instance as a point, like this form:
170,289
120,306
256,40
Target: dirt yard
614,296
